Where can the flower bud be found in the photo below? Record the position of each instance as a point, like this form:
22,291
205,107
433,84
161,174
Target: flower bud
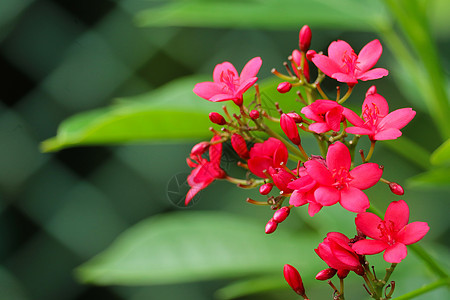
296,117
289,127
293,278
304,38
326,274
254,114
199,148
217,118
240,146
284,87
342,273
271,226
281,214
396,188
265,188
310,54
371,91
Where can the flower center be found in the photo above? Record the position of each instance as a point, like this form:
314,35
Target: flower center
350,62
387,231
230,80
341,177
371,114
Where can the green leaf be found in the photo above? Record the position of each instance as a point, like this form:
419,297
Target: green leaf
434,178
267,14
189,246
441,156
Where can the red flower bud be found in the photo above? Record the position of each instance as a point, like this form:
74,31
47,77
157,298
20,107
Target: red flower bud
281,214
240,146
217,118
293,279
297,118
396,188
254,114
342,273
289,127
271,226
199,148
310,54
305,38
284,87
371,91
265,188
326,274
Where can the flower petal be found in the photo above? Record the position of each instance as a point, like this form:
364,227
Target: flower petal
338,156
319,172
326,64
373,74
314,208
359,130
365,176
395,253
397,119
302,184
387,134
222,97
333,118
258,164
352,117
338,49
343,77
369,55
225,67
207,89
251,69
412,233
246,85
297,199
368,223
319,127
354,200
369,247
327,196
376,102
397,213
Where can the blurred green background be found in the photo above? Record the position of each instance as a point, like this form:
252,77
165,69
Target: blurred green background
58,210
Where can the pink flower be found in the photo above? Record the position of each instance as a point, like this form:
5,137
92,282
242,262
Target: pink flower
390,235
338,184
344,65
228,85
336,252
272,153
205,171
377,122
327,115
304,188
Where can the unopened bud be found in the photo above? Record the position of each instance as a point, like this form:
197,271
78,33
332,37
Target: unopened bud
281,214
217,118
254,114
284,87
310,54
371,91
294,280
271,226
199,148
305,38
240,146
326,274
342,273
296,117
396,188
289,127
265,188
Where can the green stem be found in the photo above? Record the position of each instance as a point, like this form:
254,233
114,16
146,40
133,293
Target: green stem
425,289
369,155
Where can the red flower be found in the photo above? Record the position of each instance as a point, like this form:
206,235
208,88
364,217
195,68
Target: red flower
205,171
272,153
304,188
336,252
338,183
377,122
390,235
344,65
228,84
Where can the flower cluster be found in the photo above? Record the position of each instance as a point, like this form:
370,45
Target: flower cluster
277,163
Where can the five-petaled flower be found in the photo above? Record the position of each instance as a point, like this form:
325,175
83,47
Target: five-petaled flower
338,184
205,172
377,122
344,65
228,84
272,153
390,235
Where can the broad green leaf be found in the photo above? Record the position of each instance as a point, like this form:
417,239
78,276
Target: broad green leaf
267,14
441,155
434,178
190,246
410,150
